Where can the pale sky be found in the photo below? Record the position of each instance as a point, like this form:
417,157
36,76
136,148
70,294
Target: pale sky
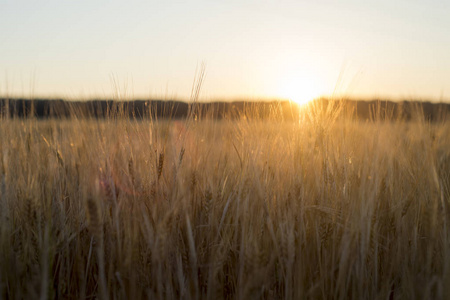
252,49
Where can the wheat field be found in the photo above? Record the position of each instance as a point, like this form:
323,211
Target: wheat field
322,207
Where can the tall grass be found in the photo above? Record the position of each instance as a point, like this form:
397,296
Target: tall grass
325,207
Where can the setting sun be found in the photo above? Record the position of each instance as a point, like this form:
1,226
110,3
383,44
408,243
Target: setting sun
300,89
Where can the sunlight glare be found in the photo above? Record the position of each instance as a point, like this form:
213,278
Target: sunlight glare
300,89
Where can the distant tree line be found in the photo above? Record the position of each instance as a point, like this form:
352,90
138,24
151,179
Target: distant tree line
362,110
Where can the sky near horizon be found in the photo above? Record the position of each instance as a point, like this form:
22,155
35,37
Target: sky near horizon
252,49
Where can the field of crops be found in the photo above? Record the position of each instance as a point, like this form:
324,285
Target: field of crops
322,207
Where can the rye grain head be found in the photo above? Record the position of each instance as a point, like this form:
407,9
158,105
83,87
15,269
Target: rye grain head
131,171
160,165
181,155
93,214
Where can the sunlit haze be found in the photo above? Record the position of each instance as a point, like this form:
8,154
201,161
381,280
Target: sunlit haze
252,49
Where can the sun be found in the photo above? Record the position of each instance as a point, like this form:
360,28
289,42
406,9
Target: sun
300,89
